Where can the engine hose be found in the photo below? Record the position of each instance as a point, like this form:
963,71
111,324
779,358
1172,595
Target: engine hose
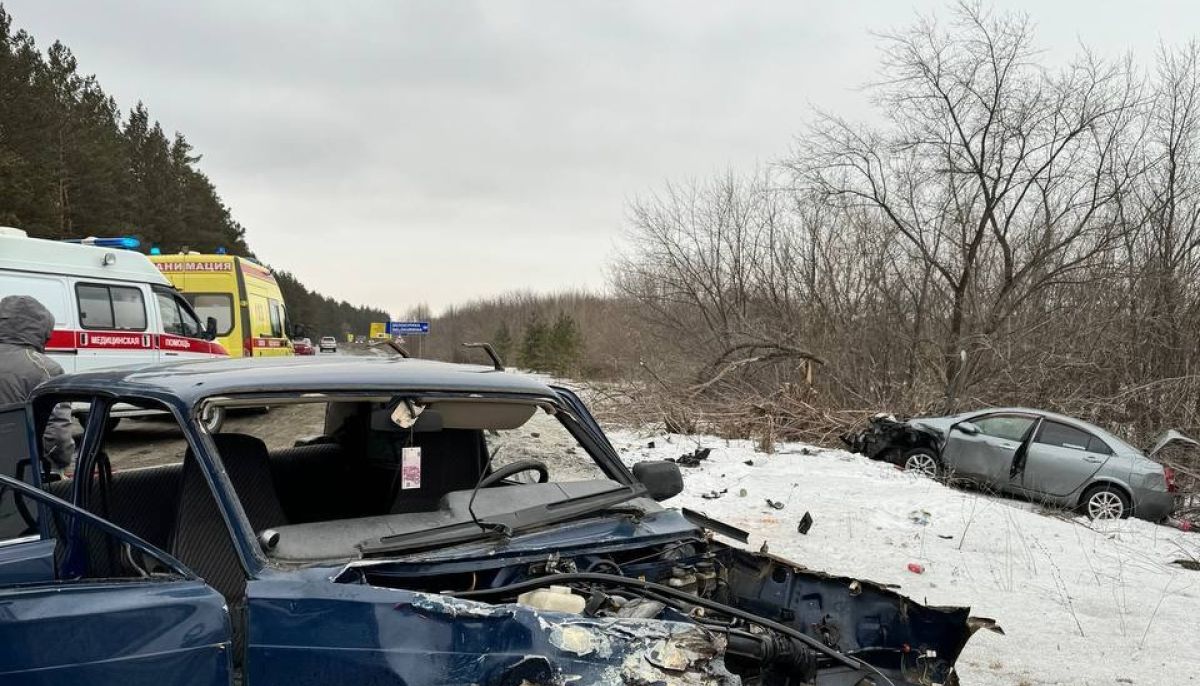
651,589
776,651
603,562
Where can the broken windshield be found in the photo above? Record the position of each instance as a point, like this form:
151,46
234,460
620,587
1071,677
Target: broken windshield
381,468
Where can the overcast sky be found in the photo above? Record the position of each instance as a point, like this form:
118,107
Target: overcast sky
392,152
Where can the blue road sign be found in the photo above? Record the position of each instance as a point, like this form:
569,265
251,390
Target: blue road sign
408,328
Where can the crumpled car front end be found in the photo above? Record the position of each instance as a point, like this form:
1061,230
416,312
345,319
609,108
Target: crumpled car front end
887,438
677,608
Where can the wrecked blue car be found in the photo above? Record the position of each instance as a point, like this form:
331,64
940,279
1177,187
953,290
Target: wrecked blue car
402,522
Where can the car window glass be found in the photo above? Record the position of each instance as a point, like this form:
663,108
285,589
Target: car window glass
1095,445
129,309
189,323
1063,436
216,305
169,312
95,309
276,321
1007,426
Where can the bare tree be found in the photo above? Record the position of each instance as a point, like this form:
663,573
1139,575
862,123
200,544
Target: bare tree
1000,176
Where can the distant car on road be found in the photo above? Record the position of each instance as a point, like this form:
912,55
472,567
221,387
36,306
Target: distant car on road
1035,454
328,343
303,346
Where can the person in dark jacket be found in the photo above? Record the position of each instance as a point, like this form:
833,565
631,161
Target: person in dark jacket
25,326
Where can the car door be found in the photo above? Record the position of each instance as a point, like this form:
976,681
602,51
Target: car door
182,335
115,327
1061,459
62,623
986,456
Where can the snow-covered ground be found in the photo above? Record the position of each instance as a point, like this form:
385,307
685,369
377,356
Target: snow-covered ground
1080,603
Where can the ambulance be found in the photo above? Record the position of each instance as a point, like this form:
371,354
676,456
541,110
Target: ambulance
111,306
241,295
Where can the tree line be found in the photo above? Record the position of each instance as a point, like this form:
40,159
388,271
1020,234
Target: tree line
544,333
73,165
1004,231
1007,232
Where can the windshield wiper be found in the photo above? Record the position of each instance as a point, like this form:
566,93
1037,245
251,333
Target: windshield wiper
502,525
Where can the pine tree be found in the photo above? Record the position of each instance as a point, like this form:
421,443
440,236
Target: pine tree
502,341
564,345
534,344
69,166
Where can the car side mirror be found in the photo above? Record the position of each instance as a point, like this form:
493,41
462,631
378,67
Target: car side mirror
210,328
662,479
966,427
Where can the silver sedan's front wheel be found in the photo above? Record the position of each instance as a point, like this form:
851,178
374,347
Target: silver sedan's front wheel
921,461
1106,503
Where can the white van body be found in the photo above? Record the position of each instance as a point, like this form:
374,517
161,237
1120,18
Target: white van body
111,307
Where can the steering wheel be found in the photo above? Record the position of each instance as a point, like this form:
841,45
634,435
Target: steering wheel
516,468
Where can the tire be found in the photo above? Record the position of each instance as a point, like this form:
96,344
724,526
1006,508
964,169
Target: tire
921,461
212,419
1105,501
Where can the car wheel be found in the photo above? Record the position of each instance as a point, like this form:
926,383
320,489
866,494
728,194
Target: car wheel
212,419
1106,502
922,461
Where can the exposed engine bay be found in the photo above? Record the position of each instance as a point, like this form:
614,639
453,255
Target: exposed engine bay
691,611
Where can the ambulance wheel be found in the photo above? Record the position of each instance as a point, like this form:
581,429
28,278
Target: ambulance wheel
212,418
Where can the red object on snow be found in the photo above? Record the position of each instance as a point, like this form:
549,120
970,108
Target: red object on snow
916,568
1181,524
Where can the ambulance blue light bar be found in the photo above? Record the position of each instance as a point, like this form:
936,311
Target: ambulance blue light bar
123,242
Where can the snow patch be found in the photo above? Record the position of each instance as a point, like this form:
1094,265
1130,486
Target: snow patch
1080,602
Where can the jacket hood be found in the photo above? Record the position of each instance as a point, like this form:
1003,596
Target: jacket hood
25,321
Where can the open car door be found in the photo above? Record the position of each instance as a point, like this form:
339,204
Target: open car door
85,602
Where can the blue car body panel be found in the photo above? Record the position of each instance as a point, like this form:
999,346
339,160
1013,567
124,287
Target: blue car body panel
314,633
102,634
27,563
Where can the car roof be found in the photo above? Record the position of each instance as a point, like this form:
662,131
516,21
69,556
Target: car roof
191,381
20,253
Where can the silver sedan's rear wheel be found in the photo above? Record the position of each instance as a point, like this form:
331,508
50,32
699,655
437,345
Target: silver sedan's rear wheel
1106,502
921,461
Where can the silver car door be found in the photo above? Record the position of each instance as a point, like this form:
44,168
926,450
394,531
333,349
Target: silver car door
1061,459
986,456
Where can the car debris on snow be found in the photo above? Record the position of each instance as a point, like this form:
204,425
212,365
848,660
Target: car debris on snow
805,524
694,458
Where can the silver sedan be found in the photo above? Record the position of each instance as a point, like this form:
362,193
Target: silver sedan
1046,457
